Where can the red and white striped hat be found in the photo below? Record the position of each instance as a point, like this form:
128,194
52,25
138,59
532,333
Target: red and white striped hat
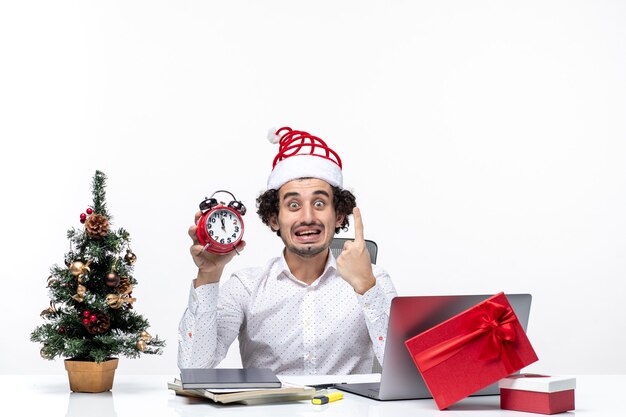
302,155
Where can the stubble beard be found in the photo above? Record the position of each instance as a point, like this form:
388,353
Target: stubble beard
308,251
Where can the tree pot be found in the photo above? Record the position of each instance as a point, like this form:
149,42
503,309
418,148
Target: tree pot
89,376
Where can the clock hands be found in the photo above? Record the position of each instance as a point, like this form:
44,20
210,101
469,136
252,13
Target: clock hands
223,225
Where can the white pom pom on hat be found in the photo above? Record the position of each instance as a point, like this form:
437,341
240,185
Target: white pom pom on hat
272,137
302,155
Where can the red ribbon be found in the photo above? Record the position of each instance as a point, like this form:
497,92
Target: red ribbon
492,322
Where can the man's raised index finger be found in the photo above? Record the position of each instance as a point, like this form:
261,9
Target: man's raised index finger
358,224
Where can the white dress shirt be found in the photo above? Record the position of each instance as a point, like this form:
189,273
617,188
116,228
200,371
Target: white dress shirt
284,324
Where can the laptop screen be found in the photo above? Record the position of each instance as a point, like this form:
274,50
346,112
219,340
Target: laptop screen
411,315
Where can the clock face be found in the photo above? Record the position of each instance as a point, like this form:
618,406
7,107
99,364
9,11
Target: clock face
224,226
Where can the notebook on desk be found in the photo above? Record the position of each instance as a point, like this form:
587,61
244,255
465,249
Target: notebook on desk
208,378
410,315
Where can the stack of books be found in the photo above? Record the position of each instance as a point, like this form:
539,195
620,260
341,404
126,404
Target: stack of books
235,385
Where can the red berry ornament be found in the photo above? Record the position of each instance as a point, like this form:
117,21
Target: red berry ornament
86,313
93,318
89,210
85,322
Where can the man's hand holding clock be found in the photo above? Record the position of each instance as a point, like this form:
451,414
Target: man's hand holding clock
210,265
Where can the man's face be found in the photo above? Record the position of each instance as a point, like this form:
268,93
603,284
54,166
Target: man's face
306,216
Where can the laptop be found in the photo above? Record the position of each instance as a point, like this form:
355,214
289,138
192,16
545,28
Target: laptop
409,316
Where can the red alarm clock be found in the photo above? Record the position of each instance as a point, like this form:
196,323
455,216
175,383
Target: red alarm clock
220,227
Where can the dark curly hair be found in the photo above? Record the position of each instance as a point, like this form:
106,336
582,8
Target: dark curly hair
343,201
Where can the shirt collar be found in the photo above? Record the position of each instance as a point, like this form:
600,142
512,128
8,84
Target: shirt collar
282,269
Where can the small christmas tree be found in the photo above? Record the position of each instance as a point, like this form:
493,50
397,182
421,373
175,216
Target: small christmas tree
91,316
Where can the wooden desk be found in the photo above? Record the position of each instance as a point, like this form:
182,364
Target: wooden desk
147,395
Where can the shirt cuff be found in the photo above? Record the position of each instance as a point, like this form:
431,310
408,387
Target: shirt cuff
203,299
373,302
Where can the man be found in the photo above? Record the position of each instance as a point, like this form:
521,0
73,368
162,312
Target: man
304,312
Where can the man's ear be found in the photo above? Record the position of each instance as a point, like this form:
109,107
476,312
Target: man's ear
340,218
274,223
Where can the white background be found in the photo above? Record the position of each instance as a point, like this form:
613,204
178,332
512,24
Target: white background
484,141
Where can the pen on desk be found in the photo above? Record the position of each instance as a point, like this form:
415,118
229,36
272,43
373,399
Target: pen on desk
328,398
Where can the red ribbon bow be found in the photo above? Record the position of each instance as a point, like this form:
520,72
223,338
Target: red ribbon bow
491,321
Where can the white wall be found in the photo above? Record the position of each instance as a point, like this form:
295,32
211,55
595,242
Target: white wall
483,139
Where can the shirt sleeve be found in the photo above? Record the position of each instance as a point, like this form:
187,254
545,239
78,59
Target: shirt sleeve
210,324
376,303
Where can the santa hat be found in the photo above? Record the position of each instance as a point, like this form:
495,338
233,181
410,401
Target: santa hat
302,155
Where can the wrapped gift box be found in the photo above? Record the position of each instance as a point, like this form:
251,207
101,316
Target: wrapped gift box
471,350
537,393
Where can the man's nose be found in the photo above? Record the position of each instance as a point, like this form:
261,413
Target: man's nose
308,214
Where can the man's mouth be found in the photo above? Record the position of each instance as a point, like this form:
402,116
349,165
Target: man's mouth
307,233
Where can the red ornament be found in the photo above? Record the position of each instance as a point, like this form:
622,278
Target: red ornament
89,210
83,216
61,330
93,318
85,322
83,221
86,313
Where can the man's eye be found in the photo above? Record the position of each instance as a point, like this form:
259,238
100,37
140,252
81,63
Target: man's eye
293,205
319,204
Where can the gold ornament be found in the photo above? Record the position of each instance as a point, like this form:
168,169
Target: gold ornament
48,311
144,335
77,268
123,295
118,300
130,257
124,286
81,290
114,300
51,280
141,345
